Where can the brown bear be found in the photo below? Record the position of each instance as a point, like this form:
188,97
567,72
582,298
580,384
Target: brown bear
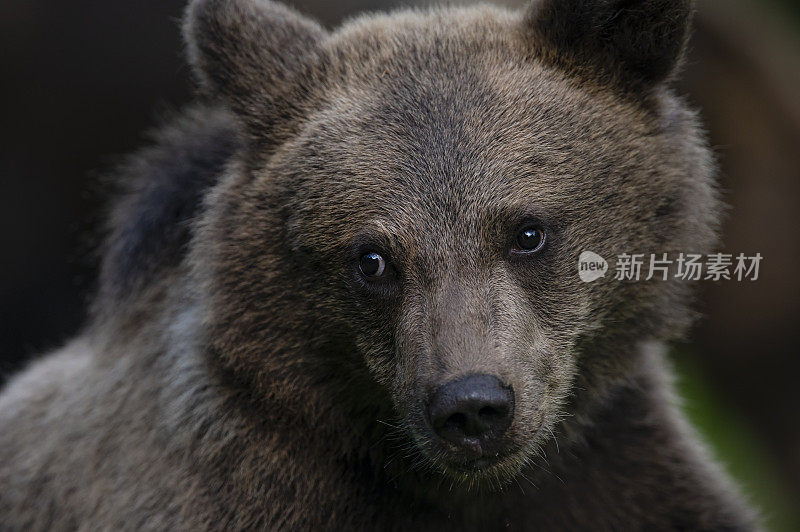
341,291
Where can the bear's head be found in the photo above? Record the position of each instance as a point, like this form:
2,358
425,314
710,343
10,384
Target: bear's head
404,220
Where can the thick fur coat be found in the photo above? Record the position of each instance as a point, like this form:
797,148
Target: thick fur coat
240,371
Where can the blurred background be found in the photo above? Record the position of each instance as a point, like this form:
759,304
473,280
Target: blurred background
82,81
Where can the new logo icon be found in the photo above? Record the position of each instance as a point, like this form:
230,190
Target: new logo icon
591,267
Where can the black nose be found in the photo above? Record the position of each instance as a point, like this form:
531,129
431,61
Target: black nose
472,412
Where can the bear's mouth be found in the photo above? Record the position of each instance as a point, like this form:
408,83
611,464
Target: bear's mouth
470,461
476,465
496,468
490,472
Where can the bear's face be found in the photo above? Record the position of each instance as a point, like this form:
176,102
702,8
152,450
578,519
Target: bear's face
430,182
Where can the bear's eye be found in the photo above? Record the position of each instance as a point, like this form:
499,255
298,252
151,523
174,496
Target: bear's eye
372,265
530,239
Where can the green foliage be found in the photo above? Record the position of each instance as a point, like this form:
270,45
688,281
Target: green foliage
736,445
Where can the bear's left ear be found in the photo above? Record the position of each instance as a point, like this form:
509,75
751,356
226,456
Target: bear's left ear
255,55
633,43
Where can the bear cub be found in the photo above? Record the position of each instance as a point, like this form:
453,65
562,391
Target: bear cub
340,291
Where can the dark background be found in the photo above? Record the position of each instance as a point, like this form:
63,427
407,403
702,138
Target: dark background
81,81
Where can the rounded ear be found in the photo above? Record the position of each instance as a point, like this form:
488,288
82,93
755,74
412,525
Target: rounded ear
257,56
635,43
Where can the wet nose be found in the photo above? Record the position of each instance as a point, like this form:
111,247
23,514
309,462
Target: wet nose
472,412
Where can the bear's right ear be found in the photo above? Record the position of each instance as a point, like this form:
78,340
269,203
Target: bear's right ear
256,55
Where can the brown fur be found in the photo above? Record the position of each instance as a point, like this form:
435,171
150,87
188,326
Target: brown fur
238,373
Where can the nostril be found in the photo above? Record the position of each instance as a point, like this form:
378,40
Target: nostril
457,421
489,412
